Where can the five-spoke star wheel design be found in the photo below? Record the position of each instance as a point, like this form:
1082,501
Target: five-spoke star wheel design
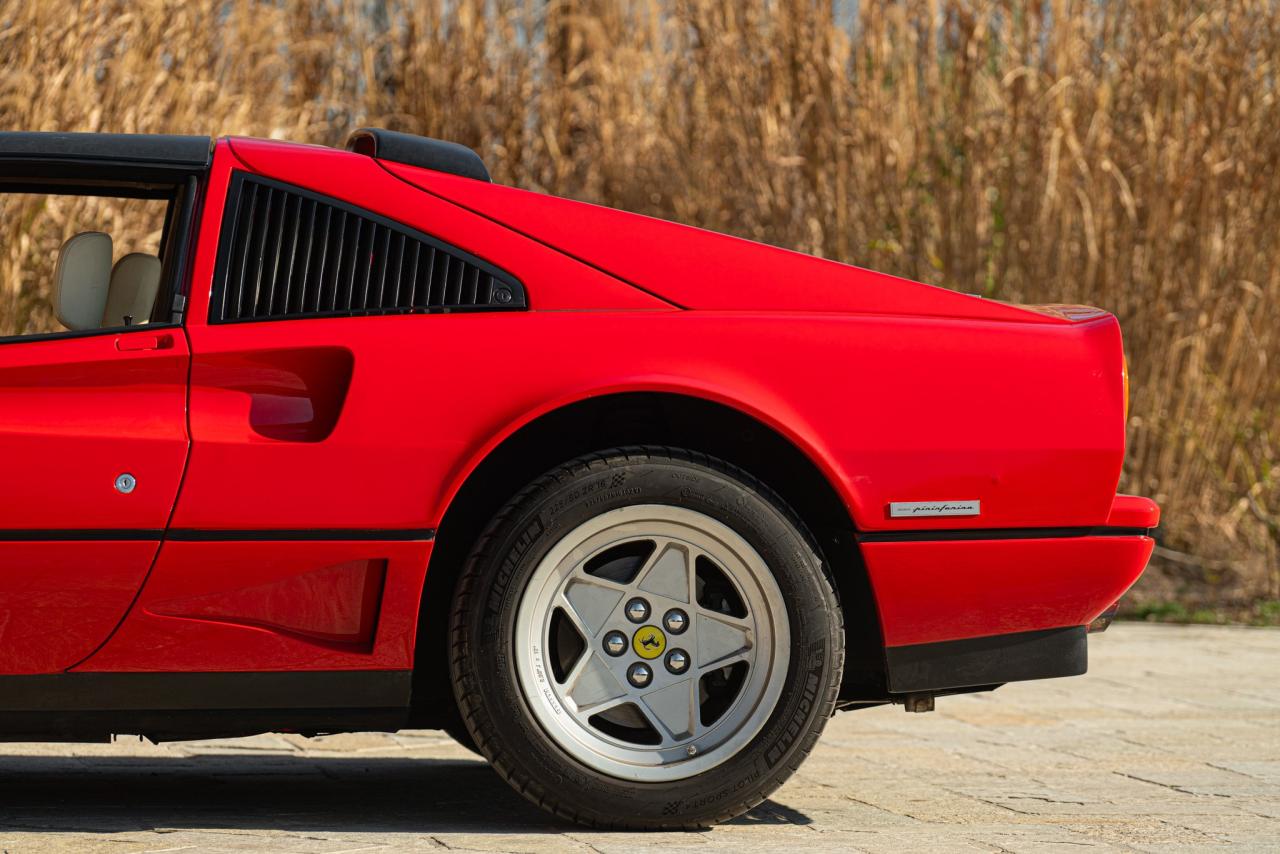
652,642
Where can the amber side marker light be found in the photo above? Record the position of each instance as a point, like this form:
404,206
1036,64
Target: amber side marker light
1124,381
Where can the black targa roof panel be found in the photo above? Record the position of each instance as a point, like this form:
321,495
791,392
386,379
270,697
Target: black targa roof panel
161,150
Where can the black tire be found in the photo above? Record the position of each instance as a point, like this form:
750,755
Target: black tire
457,730
482,629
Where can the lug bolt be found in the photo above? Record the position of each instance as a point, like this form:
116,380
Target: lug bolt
677,661
639,674
675,621
637,610
615,643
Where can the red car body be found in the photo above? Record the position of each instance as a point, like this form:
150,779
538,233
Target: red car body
294,476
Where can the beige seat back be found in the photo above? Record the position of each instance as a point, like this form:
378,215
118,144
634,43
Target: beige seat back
81,279
134,283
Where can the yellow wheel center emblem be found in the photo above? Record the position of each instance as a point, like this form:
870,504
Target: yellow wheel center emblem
649,642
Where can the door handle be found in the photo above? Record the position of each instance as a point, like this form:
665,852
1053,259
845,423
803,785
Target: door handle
144,342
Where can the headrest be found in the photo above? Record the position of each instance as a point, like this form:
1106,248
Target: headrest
134,282
81,279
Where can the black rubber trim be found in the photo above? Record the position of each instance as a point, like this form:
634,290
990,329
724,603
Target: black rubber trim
98,692
994,659
436,154
997,534
176,278
56,178
192,152
217,536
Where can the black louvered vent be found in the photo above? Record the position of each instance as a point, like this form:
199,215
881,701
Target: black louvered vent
287,253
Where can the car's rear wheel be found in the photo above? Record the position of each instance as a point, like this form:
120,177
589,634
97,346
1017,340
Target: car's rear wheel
646,638
457,730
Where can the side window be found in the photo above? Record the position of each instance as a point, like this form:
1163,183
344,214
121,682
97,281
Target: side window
286,252
77,263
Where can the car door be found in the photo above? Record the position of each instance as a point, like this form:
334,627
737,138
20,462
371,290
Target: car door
93,441
320,449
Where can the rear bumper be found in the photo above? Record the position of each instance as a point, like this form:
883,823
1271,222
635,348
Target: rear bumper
930,591
979,607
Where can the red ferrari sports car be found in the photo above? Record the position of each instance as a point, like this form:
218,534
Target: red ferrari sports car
630,508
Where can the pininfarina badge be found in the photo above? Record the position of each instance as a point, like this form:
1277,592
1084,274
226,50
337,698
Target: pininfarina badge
916,509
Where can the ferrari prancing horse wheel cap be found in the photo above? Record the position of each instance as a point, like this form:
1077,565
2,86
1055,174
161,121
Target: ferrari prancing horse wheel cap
649,642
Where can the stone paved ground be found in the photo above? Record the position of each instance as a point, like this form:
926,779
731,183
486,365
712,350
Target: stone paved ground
1172,743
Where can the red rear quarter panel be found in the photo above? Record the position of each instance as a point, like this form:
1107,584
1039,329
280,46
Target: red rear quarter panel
890,409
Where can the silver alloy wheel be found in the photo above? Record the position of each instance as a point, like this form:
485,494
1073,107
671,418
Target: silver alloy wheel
679,722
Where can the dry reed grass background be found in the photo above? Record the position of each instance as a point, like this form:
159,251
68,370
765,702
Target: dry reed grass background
1121,154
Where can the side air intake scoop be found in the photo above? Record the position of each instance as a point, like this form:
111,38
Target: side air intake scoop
435,154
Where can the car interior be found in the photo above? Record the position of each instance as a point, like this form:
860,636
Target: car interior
89,292
110,273
94,230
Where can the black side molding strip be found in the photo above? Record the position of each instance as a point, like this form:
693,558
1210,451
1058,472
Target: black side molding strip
102,692
214,536
997,534
991,660
218,536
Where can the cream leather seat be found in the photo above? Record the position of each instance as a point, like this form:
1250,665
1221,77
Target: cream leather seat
81,280
134,283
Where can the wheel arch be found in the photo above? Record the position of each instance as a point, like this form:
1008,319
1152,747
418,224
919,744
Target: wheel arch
676,418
